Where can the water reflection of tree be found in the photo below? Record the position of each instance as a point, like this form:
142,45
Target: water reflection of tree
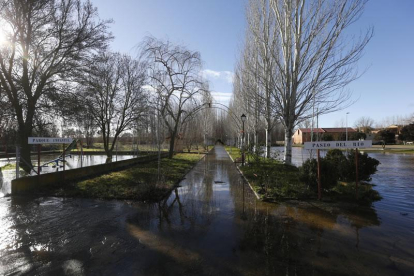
284,235
191,206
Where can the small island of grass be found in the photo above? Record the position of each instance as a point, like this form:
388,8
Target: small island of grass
141,182
272,180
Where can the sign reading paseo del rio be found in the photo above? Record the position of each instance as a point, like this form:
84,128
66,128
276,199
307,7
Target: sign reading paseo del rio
49,140
338,144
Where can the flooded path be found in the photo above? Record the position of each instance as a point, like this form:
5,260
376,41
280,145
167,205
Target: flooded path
211,225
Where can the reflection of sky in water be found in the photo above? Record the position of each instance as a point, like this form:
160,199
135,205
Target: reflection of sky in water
72,162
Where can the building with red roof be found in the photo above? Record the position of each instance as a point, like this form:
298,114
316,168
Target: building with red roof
303,135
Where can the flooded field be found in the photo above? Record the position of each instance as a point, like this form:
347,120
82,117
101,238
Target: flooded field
72,162
212,225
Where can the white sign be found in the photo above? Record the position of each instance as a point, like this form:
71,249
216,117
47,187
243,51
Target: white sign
338,144
49,140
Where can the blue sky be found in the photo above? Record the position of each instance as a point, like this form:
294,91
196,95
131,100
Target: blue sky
215,28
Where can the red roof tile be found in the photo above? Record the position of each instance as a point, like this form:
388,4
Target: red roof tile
308,130
338,129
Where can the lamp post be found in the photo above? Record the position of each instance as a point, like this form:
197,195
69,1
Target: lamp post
243,118
346,125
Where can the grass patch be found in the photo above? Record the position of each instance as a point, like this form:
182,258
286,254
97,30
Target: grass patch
9,166
344,191
272,180
234,152
140,182
275,181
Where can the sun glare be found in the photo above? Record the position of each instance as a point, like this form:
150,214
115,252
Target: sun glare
3,38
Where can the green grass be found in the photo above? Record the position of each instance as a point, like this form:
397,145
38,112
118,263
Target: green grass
390,150
122,147
274,180
9,166
139,182
347,192
233,151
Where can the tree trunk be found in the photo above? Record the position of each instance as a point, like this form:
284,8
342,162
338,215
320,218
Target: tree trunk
172,142
268,142
107,149
25,157
248,140
288,144
255,141
109,153
25,131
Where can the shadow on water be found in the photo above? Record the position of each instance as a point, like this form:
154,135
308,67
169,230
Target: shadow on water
211,224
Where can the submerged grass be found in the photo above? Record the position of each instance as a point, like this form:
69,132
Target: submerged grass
140,182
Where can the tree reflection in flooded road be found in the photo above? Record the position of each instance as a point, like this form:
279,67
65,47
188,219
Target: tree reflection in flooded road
211,224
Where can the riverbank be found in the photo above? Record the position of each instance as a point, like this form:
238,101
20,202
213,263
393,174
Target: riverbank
140,182
273,181
409,149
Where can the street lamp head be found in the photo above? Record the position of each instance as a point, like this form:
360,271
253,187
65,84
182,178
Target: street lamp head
243,118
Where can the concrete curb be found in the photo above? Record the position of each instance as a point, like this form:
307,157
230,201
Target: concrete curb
244,177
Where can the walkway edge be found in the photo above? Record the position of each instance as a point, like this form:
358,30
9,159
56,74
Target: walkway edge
177,185
244,177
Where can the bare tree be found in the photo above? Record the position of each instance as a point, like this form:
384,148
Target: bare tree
262,37
175,77
115,95
364,124
47,42
312,60
87,125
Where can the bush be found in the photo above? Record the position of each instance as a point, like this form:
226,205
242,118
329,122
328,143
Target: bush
386,135
407,133
367,166
308,173
327,137
338,167
338,161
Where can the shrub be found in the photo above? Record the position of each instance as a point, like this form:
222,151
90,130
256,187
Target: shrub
338,160
308,173
367,166
327,137
386,135
407,133
338,167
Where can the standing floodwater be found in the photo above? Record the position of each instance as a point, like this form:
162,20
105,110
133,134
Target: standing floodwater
72,162
211,225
